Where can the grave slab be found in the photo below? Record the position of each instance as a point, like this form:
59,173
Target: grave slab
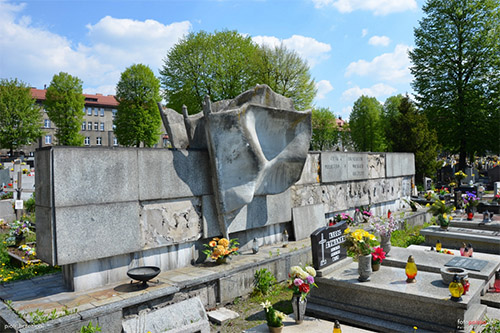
306,219
482,240
425,304
431,261
221,315
475,224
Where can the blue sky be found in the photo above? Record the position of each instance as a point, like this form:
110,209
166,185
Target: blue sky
353,47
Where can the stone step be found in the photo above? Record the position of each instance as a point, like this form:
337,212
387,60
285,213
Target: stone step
387,297
486,241
491,300
475,224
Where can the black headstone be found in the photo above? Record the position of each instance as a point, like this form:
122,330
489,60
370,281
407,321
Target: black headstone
325,244
467,263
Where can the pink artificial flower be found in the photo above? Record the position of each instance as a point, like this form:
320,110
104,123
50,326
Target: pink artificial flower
378,254
310,279
298,282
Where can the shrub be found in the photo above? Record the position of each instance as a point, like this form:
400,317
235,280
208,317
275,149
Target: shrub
264,281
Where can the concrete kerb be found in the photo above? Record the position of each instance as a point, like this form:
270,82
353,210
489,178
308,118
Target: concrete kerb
9,320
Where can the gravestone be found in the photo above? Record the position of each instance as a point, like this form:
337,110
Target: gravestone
326,245
467,263
427,184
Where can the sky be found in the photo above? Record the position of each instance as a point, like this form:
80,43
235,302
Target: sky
353,47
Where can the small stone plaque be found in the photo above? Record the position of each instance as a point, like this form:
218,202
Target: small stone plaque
357,166
333,167
467,263
326,245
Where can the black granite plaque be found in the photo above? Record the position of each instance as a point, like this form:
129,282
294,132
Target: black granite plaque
326,245
467,263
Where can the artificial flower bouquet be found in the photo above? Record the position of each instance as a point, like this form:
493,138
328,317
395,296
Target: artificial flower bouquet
341,217
383,226
460,175
219,248
274,317
18,229
359,242
470,200
378,255
300,280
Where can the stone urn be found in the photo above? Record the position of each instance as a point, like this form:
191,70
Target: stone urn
447,274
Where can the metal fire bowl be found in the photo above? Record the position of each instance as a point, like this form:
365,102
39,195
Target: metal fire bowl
144,273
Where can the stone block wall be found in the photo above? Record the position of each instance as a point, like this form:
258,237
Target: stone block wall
101,211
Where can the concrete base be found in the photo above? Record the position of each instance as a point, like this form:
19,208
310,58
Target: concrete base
486,241
387,300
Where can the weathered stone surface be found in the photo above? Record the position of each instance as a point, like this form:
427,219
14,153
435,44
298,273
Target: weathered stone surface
221,315
174,124
171,222
195,127
333,167
306,219
90,232
376,166
399,164
185,316
357,166
43,177
170,174
258,146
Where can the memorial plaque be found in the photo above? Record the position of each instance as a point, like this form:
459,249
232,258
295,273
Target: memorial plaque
333,167
467,263
357,166
326,245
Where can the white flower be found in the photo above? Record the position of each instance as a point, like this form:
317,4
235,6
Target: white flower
266,305
311,271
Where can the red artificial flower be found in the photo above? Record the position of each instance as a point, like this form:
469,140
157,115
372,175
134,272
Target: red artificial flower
304,288
378,254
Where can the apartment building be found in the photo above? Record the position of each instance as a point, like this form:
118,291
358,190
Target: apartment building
97,127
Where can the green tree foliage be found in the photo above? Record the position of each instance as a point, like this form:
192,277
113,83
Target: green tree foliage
138,119
456,64
389,112
325,133
287,74
367,132
64,104
221,65
408,130
20,118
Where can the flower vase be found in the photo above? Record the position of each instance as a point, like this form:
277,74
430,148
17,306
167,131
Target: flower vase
274,329
299,308
385,243
20,240
375,266
364,268
221,260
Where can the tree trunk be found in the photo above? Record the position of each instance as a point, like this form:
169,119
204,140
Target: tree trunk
462,156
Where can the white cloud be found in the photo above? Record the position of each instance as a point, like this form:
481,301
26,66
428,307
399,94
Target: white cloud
308,48
377,90
379,41
34,54
388,66
323,87
364,32
378,7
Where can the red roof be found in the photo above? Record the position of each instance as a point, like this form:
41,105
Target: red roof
97,99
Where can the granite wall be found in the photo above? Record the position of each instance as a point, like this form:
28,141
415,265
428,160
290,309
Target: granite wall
101,211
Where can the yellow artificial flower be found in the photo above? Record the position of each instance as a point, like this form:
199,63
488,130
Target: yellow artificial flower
224,242
347,230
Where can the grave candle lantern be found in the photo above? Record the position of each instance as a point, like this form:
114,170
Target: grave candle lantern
411,270
466,284
496,285
336,327
285,238
255,246
438,245
456,289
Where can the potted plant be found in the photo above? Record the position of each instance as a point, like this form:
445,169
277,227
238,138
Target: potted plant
18,230
219,249
459,176
384,227
274,318
300,280
378,255
360,244
440,209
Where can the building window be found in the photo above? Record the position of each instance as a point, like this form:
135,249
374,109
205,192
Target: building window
114,127
115,141
99,141
89,126
96,111
96,126
89,111
102,127
114,111
87,141
84,126
46,123
102,112
48,139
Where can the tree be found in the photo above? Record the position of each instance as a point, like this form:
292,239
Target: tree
138,119
389,112
325,133
64,102
408,131
221,65
20,118
365,125
456,65
287,74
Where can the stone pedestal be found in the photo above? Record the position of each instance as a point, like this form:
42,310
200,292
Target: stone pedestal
387,303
